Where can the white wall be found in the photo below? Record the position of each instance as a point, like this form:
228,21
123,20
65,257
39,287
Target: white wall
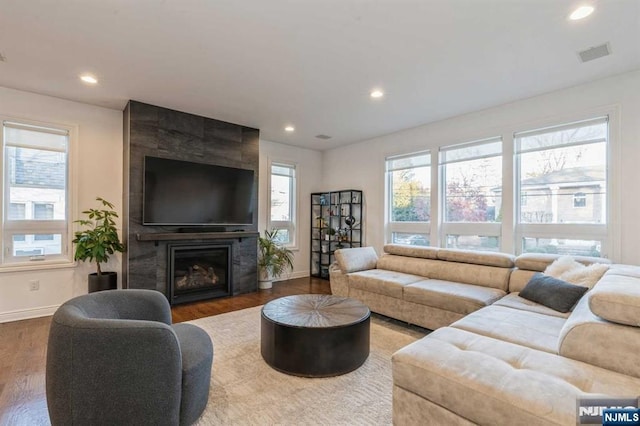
99,173
308,176
361,165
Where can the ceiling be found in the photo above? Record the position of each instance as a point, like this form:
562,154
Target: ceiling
311,63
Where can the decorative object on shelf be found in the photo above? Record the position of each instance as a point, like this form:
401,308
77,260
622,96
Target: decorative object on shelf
350,221
273,258
97,242
336,218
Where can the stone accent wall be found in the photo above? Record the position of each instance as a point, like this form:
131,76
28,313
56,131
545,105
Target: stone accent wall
160,132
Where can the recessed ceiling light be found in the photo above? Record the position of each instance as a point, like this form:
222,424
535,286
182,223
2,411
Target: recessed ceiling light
289,129
89,79
581,12
377,93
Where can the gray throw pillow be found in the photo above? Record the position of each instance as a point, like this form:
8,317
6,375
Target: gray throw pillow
553,293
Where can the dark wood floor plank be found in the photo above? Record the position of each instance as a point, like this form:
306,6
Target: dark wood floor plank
23,348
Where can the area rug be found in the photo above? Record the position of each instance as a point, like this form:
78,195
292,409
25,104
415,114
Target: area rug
246,391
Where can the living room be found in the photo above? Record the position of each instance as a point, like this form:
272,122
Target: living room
527,80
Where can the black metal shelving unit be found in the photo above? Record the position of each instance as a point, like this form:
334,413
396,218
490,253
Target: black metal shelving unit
336,222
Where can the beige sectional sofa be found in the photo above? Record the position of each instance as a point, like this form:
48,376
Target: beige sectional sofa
494,357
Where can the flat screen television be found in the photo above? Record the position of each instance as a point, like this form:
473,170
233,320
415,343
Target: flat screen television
186,193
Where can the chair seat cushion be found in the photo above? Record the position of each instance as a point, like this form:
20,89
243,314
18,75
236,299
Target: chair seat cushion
197,356
381,281
451,296
525,328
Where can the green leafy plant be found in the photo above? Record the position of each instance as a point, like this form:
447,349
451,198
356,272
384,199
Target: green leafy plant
100,238
273,258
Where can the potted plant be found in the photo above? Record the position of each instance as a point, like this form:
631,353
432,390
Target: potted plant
97,242
273,258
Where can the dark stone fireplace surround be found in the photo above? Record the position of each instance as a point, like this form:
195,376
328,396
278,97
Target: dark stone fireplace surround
160,132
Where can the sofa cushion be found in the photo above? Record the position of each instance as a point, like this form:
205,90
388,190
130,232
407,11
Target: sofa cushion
451,296
516,326
589,338
502,260
539,261
412,251
617,298
514,301
487,381
518,279
552,292
388,283
356,259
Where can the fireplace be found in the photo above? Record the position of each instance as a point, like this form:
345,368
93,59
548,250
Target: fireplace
197,272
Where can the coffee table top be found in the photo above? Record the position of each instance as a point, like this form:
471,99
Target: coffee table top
315,311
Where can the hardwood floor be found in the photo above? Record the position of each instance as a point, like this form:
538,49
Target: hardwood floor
23,347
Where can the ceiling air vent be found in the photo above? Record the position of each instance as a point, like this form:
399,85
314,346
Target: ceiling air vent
595,52
325,137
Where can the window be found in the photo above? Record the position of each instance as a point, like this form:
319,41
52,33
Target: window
409,198
282,213
579,199
471,194
560,168
36,199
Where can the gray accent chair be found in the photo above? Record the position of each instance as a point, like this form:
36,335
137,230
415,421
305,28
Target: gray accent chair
114,358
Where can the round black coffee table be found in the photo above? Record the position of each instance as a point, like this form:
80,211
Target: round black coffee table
315,335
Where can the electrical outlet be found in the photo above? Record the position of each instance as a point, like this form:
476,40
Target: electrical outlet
34,285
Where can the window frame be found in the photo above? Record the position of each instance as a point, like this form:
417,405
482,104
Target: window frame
481,229
604,232
405,227
8,262
291,225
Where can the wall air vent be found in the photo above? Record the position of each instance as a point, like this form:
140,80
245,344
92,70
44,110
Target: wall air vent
325,137
595,52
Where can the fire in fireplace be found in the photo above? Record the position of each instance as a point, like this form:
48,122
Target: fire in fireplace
198,272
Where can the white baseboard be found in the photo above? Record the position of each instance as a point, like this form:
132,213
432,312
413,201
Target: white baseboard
297,274
23,314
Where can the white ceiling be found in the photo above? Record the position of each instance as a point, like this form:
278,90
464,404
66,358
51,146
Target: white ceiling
311,63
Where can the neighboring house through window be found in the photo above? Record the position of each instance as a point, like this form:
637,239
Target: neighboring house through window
560,168
36,193
282,202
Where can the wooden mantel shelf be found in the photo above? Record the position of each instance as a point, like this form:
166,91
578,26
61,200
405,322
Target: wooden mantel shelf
176,236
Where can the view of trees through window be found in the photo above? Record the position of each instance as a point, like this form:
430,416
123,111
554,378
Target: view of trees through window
559,192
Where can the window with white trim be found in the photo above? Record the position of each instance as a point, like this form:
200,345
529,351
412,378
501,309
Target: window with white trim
471,194
35,205
282,202
409,198
563,170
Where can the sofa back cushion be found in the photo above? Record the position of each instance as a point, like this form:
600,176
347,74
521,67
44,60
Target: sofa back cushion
591,339
466,273
412,251
356,259
501,260
540,261
616,298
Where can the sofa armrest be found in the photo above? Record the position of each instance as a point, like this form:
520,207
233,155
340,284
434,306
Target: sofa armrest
356,259
339,282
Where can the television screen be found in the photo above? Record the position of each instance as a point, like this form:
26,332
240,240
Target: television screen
186,193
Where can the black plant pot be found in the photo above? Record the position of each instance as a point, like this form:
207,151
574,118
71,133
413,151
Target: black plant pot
106,281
